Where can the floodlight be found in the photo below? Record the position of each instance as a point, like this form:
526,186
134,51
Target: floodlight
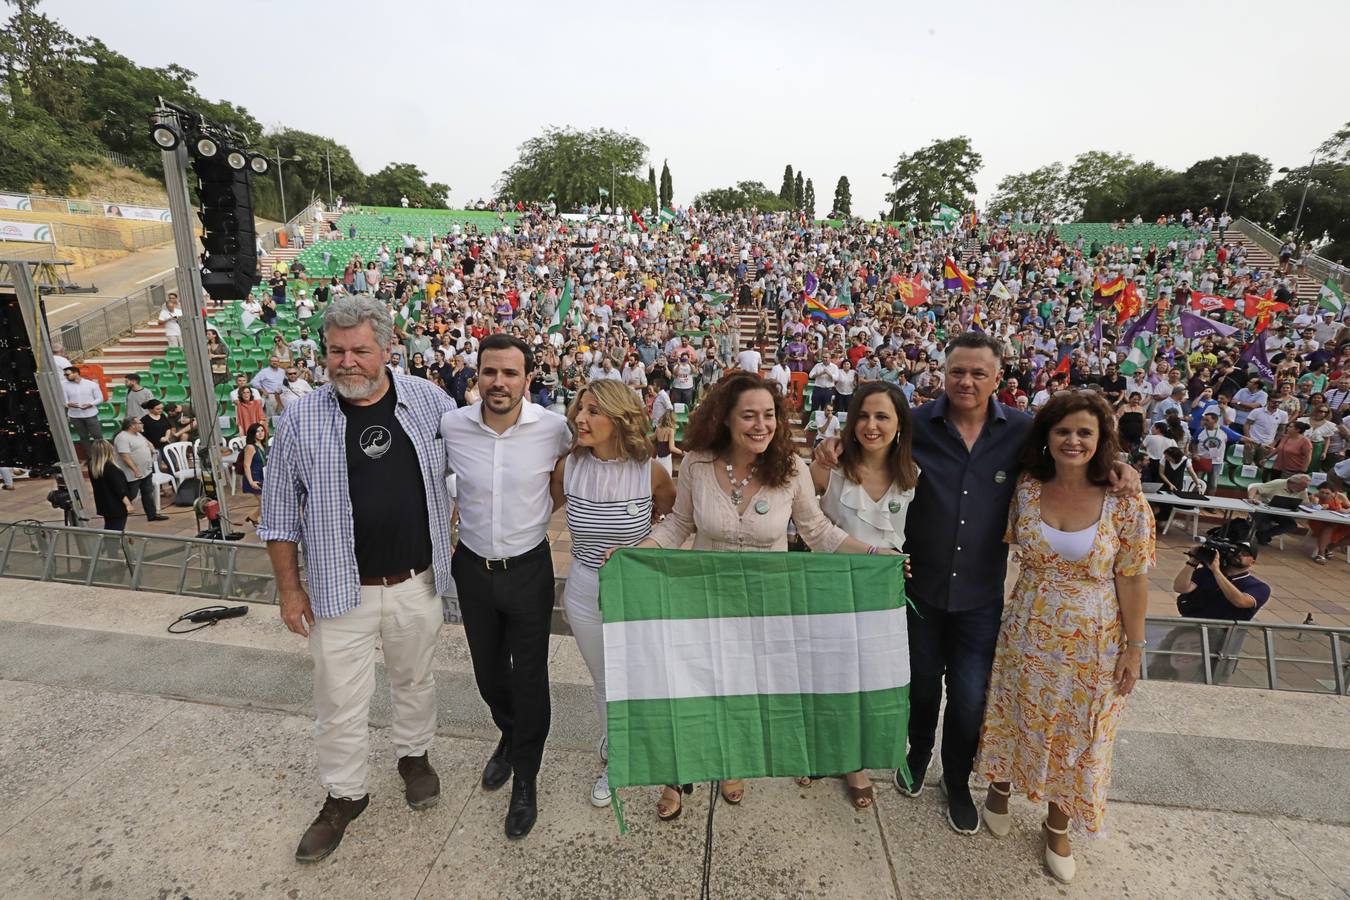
166,137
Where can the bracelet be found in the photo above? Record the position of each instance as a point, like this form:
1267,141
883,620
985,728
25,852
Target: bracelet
1132,645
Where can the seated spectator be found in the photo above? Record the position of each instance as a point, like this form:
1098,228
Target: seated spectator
1329,536
1268,526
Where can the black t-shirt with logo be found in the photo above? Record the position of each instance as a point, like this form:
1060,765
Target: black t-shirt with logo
389,501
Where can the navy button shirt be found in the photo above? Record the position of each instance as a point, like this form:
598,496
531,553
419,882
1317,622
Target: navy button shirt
956,522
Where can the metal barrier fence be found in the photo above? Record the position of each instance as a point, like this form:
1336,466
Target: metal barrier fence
1314,266
147,234
97,328
1305,658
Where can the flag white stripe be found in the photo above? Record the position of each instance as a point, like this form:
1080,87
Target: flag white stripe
835,653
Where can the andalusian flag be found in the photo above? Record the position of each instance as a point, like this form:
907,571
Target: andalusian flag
667,215
953,279
744,665
1140,355
564,310
1331,297
1000,290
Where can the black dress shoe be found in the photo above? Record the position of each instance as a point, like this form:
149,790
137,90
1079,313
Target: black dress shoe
325,833
158,518
421,784
498,768
523,810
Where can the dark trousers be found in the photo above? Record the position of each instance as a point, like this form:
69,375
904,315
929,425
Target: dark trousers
507,613
115,523
1268,527
149,494
87,429
959,646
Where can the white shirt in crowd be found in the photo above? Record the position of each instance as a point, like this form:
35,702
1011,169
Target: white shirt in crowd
781,375
1262,424
503,479
86,392
823,374
169,319
749,360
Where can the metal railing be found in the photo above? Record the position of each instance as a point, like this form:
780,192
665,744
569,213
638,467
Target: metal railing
1314,266
100,327
1305,658
89,237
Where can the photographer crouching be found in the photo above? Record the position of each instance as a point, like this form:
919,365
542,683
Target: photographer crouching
1217,583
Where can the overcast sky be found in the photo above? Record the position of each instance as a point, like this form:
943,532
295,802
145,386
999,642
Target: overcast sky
730,91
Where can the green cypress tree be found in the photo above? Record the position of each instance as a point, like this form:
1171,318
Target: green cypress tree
809,206
799,192
651,188
843,199
788,192
667,187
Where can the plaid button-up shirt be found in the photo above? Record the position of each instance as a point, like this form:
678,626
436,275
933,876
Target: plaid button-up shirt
306,499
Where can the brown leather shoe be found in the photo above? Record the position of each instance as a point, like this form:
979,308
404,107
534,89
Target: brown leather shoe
421,785
323,836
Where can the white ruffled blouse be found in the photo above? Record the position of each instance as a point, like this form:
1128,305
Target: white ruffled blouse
880,523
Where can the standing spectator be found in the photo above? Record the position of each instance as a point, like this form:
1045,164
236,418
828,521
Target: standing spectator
83,395
248,410
155,425
1265,427
267,384
137,397
682,387
1293,454
295,387
136,458
112,498
169,314
252,462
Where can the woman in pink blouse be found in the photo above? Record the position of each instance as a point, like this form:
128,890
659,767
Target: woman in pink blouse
740,482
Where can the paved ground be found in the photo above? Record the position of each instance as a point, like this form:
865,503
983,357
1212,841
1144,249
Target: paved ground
143,765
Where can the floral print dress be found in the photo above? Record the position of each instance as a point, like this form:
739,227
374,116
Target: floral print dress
1052,710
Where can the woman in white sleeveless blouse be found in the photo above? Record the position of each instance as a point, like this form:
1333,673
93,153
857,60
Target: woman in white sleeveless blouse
869,492
611,485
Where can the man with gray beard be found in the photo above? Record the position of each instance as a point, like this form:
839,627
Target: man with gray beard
357,475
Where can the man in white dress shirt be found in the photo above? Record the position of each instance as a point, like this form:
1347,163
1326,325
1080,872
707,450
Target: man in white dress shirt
503,450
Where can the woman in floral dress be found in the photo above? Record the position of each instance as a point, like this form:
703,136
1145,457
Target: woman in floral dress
1073,630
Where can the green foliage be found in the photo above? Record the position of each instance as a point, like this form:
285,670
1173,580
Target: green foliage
744,195
942,172
809,201
653,194
1326,211
391,184
35,150
1096,176
667,187
574,165
307,177
787,191
798,191
843,199
1040,192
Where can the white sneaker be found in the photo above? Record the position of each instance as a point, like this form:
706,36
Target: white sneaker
600,794
604,749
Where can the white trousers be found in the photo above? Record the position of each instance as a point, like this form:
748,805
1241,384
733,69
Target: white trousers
581,601
404,619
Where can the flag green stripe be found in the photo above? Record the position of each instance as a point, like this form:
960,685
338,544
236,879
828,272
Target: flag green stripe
709,738
660,584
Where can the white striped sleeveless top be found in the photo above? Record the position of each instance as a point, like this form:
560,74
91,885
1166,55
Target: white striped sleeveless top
609,504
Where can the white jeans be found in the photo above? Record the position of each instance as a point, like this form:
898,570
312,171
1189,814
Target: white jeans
404,619
581,601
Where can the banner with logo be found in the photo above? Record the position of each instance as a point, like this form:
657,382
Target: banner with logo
34,232
142,213
10,201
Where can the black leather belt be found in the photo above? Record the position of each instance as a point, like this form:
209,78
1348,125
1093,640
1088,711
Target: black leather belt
504,563
390,580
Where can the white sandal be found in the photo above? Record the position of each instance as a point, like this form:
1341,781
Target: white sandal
999,824
1062,867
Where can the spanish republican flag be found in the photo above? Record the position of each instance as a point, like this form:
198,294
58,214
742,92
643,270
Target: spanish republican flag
1108,292
911,291
953,279
1128,302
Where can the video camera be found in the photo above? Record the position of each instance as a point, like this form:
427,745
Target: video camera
1227,552
60,497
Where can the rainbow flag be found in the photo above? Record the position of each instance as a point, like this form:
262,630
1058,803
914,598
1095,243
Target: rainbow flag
821,311
953,279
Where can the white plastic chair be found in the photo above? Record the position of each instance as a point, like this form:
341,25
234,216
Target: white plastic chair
181,462
234,446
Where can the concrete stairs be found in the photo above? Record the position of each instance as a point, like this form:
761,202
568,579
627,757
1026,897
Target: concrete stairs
1259,257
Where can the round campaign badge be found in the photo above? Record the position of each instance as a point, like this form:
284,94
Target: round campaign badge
632,508
1000,476
894,506
762,507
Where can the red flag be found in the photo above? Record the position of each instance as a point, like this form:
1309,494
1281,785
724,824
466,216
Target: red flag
1261,307
1209,303
912,291
1129,303
637,220
1062,368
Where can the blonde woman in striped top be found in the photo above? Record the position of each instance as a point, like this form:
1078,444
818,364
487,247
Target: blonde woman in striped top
611,485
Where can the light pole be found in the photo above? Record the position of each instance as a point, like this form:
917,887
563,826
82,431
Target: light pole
1231,181
281,183
328,161
1307,181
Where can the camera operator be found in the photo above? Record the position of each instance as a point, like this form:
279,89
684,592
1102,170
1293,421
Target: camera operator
1217,583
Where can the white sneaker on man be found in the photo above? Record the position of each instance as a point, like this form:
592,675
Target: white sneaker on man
600,794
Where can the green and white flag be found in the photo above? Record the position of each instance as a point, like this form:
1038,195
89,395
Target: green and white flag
1000,290
1141,353
666,215
1331,297
743,665
604,192
948,213
564,310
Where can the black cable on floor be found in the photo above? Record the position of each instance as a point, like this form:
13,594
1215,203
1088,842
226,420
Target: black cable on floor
206,617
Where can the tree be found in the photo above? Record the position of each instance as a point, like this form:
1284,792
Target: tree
798,192
809,206
652,192
1326,210
1097,176
39,57
788,191
843,199
667,187
574,165
1040,192
397,180
744,195
942,172
307,177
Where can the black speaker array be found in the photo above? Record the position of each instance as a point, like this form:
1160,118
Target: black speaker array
25,435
